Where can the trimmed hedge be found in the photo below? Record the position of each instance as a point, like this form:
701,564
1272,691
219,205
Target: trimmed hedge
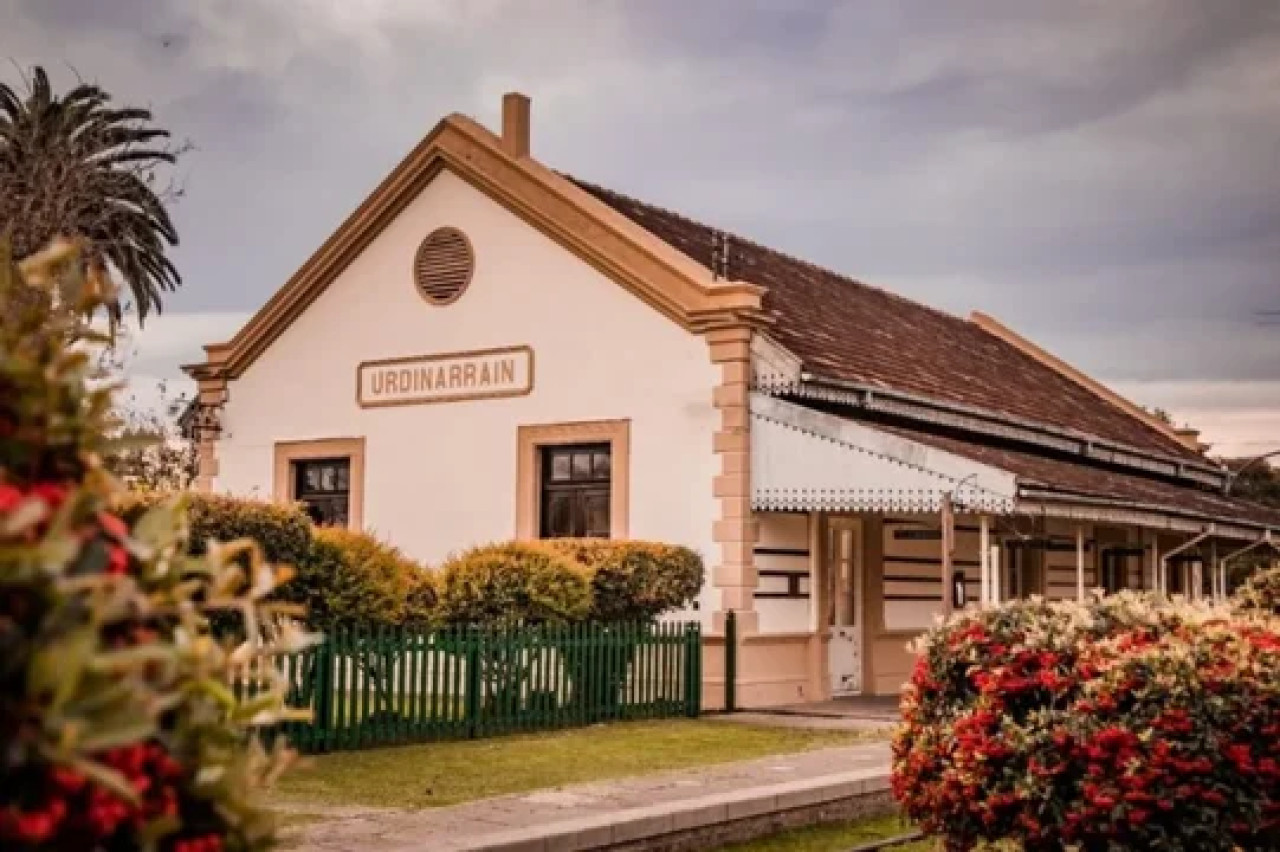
351,578
511,583
1116,724
633,580
284,532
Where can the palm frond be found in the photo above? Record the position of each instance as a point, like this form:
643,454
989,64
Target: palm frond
76,165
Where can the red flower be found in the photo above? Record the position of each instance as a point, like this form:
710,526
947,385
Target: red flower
68,780
10,497
117,560
35,827
51,493
113,526
1240,756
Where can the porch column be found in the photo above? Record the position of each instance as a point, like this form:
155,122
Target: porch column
1079,562
1155,562
984,560
1219,590
948,537
815,571
995,573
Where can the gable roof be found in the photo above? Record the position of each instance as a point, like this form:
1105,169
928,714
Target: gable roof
846,330
673,283
840,329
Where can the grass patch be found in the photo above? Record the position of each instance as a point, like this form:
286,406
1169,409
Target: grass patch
837,837
446,773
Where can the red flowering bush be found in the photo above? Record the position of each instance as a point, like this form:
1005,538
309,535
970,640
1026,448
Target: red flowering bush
117,727
1111,725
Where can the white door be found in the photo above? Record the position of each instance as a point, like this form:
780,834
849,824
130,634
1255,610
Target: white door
844,604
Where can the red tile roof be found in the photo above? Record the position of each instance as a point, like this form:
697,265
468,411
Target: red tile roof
846,330
1068,477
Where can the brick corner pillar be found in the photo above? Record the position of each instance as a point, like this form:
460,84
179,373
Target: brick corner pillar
735,530
212,393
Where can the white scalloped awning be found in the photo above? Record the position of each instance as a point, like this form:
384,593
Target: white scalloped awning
806,460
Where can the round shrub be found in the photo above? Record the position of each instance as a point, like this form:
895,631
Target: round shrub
1050,723
633,580
1261,592
351,578
282,531
1176,738
514,583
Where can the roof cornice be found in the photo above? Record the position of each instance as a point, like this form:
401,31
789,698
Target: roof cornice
665,278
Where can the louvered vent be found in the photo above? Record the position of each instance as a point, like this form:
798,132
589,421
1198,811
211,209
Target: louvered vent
443,266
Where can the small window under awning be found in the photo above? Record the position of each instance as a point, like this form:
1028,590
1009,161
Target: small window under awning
806,460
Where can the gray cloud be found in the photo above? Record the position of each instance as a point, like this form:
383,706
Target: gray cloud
1101,175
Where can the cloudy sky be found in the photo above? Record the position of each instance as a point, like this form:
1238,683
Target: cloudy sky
1103,176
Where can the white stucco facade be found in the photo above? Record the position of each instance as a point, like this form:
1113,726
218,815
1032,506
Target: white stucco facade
441,477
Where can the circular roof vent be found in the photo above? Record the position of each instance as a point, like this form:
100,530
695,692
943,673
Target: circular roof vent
443,265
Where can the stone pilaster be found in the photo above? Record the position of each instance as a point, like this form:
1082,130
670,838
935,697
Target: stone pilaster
735,530
211,392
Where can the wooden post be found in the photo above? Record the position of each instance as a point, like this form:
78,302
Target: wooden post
948,546
731,661
996,591
1155,562
984,560
1215,577
1080,563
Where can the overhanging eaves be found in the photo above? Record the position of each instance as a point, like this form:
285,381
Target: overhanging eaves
806,460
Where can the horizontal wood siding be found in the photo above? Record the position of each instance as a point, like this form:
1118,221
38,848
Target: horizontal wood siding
783,592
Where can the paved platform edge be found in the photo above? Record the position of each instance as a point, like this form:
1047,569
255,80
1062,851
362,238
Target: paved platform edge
644,827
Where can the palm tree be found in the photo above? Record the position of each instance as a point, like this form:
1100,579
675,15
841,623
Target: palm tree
76,167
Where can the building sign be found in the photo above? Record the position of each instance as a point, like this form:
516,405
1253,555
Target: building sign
453,376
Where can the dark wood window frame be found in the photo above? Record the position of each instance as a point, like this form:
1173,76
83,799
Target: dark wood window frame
575,490
289,453
323,486
532,438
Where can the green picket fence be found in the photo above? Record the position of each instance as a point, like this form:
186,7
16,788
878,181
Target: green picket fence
369,688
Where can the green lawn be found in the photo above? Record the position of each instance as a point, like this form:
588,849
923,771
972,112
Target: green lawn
838,837
447,773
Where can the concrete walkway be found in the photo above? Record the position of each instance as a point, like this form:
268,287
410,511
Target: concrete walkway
663,811
776,719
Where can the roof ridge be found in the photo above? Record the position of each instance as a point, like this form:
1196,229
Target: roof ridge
842,277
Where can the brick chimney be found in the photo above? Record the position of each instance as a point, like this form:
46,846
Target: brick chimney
515,124
1190,436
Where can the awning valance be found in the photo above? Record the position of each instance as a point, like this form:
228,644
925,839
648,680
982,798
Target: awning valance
807,460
